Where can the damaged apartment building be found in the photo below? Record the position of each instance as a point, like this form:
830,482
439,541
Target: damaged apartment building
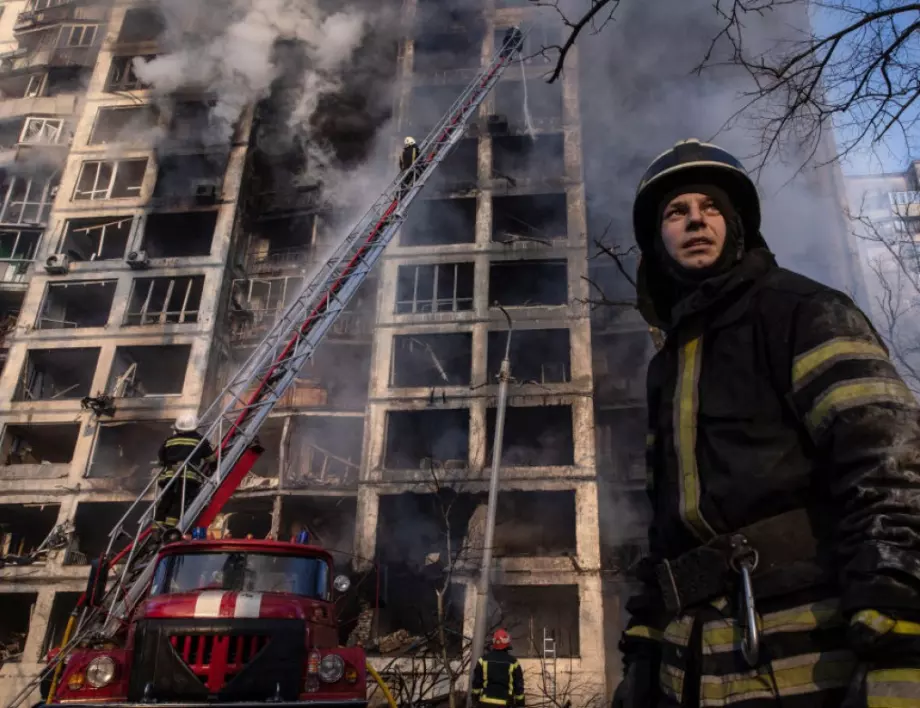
141,260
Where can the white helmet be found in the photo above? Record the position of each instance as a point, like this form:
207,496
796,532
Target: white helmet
186,423
409,141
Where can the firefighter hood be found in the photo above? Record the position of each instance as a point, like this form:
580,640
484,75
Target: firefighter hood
692,166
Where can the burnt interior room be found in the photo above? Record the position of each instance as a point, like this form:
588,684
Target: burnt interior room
98,238
433,360
190,177
541,356
528,283
427,439
522,157
23,527
428,105
160,301
92,523
544,101
527,610
620,444
77,304
440,222
245,517
179,235
127,452
431,287
141,24
9,132
521,528
460,170
57,374
61,608
324,451
619,369
342,370
38,443
288,241
191,124
14,624
123,124
456,15
122,76
536,218
158,370
329,520
436,51
535,436
19,246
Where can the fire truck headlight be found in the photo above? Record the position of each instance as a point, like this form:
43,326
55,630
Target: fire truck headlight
331,668
100,671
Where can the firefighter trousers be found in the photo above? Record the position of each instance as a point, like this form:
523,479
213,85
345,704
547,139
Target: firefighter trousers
169,509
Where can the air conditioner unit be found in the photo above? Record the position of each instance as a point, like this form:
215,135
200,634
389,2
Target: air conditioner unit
138,260
57,263
206,192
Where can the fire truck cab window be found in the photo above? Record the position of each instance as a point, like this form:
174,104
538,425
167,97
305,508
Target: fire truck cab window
242,572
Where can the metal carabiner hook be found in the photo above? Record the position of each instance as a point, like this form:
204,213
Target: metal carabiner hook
750,639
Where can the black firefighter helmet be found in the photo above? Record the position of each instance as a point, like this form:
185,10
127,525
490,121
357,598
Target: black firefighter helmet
692,162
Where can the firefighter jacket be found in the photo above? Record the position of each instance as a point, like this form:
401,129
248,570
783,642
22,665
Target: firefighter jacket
498,679
773,393
408,157
177,447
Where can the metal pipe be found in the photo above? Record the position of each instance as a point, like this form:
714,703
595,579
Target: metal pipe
482,598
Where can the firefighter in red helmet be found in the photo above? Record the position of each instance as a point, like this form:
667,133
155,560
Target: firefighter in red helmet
498,679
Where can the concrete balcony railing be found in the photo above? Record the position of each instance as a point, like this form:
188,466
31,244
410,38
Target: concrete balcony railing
63,105
19,61
905,204
67,11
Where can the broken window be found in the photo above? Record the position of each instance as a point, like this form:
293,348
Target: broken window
179,235
437,52
324,451
440,222
98,238
35,86
534,613
39,443
427,438
537,39
521,529
432,360
57,374
535,436
77,36
122,76
61,608
330,521
544,104
460,170
536,218
18,608
129,124
443,287
429,104
151,370
243,518
521,157
156,301
196,177
620,444
528,283
92,522
38,5
294,242
539,356
23,527
255,302
27,200
77,304
17,251
337,375
458,15
619,369
42,131
141,24
127,452
110,179
192,125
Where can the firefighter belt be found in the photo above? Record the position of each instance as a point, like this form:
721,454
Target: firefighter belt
785,549
190,473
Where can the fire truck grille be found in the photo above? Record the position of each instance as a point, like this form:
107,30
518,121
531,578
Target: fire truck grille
234,651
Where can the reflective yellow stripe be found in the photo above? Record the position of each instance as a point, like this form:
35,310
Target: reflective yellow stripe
671,681
644,632
686,406
678,631
725,634
485,673
893,688
883,624
818,360
511,678
795,675
494,701
851,394
172,442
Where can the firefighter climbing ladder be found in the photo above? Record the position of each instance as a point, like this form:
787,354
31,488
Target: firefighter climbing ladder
239,410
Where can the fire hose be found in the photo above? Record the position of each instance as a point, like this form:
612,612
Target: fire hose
383,686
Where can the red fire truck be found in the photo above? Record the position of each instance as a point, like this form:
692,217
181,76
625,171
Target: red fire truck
226,621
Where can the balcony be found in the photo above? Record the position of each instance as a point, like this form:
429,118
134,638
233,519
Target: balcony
55,12
63,105
286,259
905,204
23,60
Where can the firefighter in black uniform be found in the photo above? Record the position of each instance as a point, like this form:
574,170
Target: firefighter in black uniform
497,678
784,470
175,449
407,158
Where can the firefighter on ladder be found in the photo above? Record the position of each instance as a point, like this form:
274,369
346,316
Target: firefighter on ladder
174,451
407,159
497,678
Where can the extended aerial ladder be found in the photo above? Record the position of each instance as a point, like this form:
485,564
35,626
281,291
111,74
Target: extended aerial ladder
235,417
